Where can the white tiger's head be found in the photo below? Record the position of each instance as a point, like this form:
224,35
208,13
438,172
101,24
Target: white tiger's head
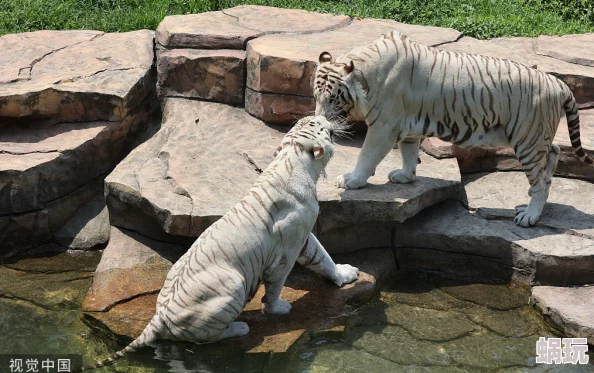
339,89
314,136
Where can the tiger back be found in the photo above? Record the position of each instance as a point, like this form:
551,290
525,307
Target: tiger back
406,91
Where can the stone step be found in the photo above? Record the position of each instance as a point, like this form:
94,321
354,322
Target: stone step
570,309
503,159
206,156
74,76
485,243
133,268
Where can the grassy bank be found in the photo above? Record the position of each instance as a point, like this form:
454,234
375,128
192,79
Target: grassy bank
479,18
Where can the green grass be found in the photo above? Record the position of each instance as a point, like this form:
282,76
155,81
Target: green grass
479,18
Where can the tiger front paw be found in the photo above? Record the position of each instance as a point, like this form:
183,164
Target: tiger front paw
526,217
345,274
278,307
401,177
349,181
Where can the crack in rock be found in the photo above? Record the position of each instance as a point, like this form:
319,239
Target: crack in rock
37,60
252,162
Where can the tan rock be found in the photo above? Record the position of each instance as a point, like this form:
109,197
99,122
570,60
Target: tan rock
212,75
74,76
278,108
232,28
159,177
131,265
437,148
568,48
571,309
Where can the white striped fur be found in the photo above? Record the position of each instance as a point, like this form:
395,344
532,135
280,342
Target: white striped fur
406,91
259,239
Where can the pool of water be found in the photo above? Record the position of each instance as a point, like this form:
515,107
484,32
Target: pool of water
418,323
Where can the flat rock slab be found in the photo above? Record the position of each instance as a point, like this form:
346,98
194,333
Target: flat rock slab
486,242
503,159
568,48
225,149
571,309
232,28
74,76
133,268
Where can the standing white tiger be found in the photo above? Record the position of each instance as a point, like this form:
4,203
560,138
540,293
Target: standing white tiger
406,91
259,239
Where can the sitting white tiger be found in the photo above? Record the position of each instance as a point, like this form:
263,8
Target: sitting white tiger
406,91
259,239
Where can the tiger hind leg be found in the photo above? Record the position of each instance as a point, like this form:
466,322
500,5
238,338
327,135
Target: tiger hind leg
409,149
235,329
538,169
552,161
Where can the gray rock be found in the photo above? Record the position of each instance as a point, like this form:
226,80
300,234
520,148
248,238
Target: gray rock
88,228
571,309
19,232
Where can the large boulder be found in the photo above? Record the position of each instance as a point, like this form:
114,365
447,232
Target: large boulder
158,179
74,76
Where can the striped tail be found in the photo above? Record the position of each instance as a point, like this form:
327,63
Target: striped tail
147,336
573,125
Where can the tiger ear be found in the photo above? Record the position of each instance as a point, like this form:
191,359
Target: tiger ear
318,152
325,57
349,68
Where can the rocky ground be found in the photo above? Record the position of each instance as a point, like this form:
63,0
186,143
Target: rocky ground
225,85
